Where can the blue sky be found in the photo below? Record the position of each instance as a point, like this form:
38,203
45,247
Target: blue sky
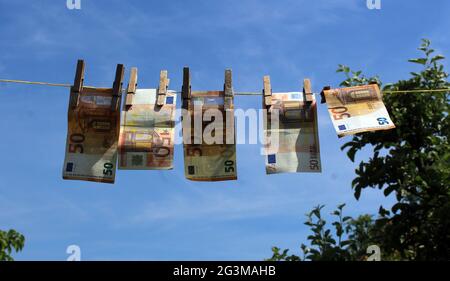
153,215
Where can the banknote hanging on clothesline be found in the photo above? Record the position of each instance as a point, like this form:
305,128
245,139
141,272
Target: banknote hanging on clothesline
93,129
293,146
143,135
357,109
209,146
147,134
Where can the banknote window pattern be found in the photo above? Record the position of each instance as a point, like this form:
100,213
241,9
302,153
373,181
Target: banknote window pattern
137,160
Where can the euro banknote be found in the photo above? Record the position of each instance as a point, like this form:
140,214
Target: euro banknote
146,139
212,158
93,129
357,109
291,135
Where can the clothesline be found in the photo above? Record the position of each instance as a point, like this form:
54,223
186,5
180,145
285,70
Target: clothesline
236,93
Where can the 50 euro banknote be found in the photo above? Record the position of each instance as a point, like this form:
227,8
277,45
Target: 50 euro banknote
204,159
93,128
146,139
357,109
291,135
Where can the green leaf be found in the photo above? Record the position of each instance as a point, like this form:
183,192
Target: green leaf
422,61
436,58
389,190
357,193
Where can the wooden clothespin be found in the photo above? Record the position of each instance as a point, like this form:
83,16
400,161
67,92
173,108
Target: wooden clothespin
267,92
186,90
77,84
131,89
117,87
376,83
229,132
307,92
228,90
322,94
162,89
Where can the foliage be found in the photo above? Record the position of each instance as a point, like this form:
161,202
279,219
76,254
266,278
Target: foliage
10,241
347,241
411,162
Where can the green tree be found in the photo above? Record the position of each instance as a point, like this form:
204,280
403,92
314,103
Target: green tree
10,241
412,162
348,239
